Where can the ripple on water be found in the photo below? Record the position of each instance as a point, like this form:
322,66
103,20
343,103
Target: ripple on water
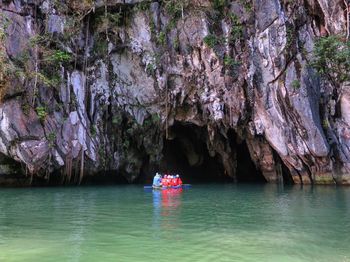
205,223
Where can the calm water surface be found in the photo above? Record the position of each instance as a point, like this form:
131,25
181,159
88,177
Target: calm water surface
205,223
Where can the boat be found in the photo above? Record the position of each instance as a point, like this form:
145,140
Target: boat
170,187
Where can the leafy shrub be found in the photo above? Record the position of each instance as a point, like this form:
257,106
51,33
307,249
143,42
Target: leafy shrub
50,59
143,6
58,56
232,65
93,130
6,67
117,119
161,38
41,112
332,58
229,61
211,40
219,5
150,68
51,137
236,28
296,84
100,47
175,7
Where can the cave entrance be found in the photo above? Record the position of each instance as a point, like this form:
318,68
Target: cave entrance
185,152
246,169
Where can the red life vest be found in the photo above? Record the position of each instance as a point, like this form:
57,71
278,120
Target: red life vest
179,181
164,182
174,181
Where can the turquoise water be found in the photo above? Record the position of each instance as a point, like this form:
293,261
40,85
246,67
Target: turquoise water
205,223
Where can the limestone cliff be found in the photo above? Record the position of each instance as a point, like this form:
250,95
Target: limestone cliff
96,88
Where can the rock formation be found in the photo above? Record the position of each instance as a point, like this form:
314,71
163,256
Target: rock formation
111,87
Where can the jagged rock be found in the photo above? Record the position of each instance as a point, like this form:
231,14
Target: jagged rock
236,77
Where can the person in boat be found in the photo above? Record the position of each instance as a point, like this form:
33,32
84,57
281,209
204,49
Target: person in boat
174,181
170,180
157,180
165,182
178,180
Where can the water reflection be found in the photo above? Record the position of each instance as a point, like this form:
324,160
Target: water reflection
171,198
157,203
166,207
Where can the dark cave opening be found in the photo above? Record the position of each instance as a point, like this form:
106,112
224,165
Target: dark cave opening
286,177
246,171
185,152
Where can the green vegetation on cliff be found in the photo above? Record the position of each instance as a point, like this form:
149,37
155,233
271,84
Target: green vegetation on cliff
332,58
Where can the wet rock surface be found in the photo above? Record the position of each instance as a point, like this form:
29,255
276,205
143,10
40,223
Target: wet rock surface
99,87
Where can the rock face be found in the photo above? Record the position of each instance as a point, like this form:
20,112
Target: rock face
123,88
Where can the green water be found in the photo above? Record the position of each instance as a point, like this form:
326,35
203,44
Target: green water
205,223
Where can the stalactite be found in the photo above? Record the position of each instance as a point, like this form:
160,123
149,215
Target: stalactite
48,171
68,171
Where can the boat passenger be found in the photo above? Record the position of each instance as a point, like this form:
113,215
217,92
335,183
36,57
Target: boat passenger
178,180
174,181
165,181
157,180
160,180
169,181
